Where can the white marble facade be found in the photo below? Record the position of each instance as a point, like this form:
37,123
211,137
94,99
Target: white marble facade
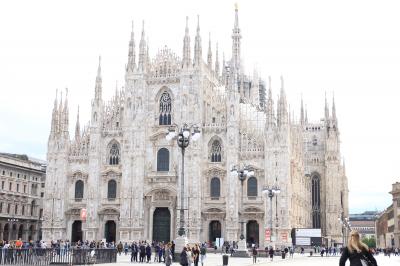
122,169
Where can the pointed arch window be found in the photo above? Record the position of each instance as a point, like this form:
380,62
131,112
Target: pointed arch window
215,187
79,187
216,150
163,160
112,189
114,154
165,109
252,187
316,201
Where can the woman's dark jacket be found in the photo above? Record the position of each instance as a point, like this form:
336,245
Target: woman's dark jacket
355,257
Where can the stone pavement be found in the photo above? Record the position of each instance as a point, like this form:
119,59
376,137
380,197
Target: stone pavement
298,260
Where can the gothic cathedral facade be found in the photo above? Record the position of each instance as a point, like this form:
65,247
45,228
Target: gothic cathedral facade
123,171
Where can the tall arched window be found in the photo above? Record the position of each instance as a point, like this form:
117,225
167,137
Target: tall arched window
79,186
112,189
165,109
215,187
216,151
252,187
114,154
163,159
316,201
33,208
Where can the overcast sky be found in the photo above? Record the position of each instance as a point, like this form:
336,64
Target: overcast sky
349,48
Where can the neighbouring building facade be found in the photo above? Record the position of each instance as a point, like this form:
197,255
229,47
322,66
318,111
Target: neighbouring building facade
22,182
388,222
364,223
124,172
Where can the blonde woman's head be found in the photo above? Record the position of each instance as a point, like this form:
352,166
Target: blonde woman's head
355,244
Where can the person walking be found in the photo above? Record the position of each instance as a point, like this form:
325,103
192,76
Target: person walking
184,258
254,252
148,253
203,252
126,248
161,252
168,255
196,255
271,253
142,252
119,248
357,252
134,252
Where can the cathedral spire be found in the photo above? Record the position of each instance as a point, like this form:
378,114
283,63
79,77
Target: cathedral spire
302,112
326,110
131,54
66,112
216,62
60,114
306,116
270,107
142,51
54,116
254,91
77,127
333,109
236,36
186,46
197,45
209,54
282,107
98,87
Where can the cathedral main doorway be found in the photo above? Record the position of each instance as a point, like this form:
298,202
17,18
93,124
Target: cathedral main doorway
162,225
214,231
252,235
110,231
76,234
6,232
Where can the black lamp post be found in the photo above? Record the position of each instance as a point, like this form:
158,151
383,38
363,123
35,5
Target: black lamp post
183,139
242,174
271,192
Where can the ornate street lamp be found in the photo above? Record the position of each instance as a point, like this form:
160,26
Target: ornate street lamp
346,227
271,192
242,174
183,137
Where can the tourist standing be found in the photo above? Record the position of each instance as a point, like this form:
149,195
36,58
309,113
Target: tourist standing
196,255
356,252
126,248
173,250
203,252
184,257
120,247
148,253
254,252
134,252
271,253
142,252
168,255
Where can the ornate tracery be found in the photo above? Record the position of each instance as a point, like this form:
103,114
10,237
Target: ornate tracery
216,150
165,109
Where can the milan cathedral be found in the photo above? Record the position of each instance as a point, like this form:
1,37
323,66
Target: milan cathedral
121,168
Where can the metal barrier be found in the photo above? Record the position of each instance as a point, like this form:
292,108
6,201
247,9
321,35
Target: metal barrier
43,257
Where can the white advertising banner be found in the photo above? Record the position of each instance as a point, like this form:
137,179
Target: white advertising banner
308,232
303,241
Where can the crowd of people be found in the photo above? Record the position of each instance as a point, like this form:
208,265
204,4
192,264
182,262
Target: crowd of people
146,252
160,252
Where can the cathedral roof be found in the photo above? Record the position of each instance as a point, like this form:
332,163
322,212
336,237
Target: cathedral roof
165,64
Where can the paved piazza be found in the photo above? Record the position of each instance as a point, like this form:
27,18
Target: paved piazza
216,260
